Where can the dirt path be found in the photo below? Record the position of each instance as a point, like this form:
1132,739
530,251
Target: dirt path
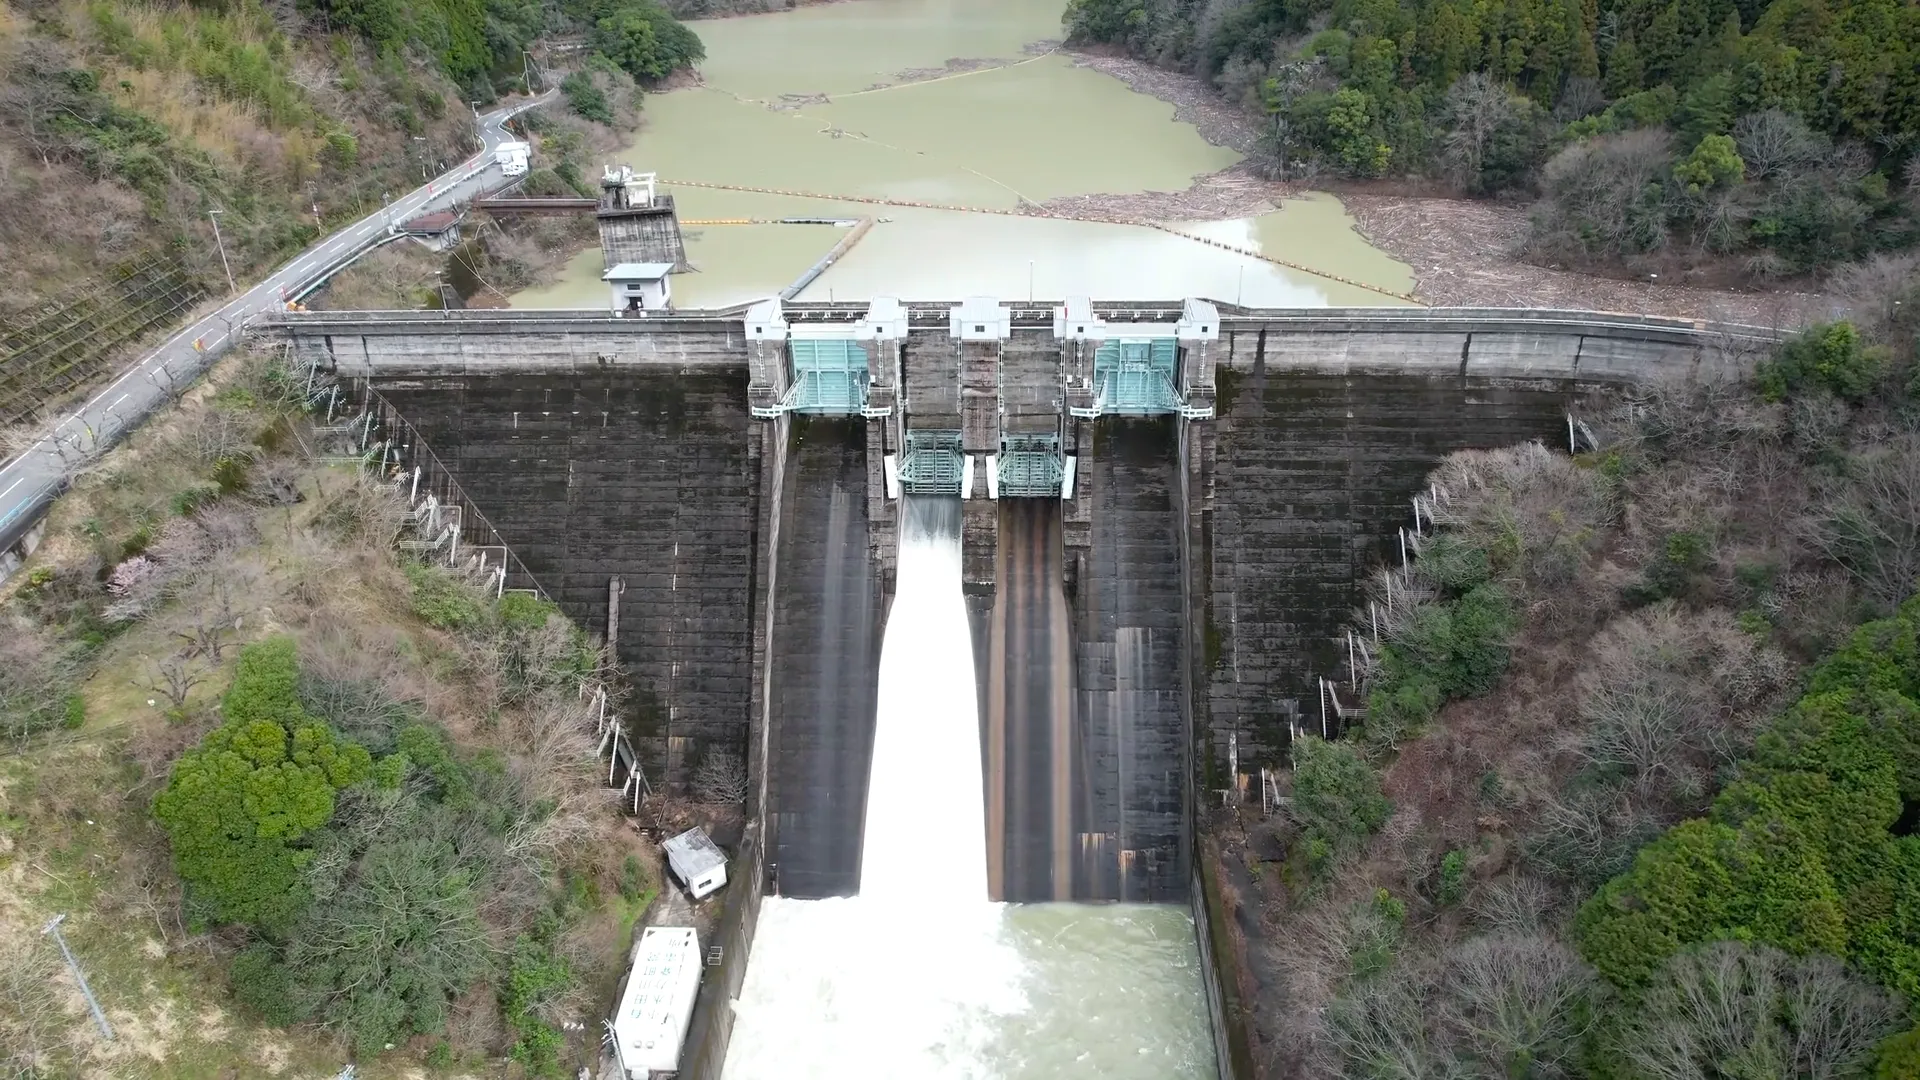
1461,250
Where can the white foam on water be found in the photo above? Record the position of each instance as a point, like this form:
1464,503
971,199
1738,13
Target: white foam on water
916,975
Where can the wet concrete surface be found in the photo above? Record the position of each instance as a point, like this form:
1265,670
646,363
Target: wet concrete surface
825,663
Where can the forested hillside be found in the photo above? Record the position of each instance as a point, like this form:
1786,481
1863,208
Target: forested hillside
1635,791
1783,132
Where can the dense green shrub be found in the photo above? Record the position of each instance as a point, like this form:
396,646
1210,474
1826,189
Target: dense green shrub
399,934
633,878
1453,877
260,982
240,806
1453,647
444,601
536,976
1899,1057
1829,356
266,685
1675,572
1800,852
586,100
642,38
1337,798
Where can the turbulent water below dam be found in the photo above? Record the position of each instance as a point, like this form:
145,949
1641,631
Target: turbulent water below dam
849,99
920,975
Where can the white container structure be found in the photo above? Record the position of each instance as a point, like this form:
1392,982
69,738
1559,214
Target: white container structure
512,158
658,1003
697,861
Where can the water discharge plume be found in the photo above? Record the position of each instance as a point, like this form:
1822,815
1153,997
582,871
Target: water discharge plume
913,977
926,826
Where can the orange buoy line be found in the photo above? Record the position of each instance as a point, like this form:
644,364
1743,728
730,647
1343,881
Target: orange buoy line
875,200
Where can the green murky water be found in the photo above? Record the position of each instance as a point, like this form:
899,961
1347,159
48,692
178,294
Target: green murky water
1034,127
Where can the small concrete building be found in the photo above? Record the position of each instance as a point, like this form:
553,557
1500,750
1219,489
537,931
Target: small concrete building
657,1005
697,861
639,287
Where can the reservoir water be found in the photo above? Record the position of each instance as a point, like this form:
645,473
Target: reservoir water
921,976
848,99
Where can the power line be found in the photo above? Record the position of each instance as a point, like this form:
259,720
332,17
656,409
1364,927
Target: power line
53,927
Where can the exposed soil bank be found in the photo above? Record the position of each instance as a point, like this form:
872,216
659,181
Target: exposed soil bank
1463,252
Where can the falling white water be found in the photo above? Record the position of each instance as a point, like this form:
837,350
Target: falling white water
921,976
926,822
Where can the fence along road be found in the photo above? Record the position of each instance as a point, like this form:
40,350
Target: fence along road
30,482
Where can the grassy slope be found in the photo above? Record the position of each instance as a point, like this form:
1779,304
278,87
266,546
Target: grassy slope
252,103
75,832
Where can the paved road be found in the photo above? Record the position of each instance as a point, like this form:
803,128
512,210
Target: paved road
30,482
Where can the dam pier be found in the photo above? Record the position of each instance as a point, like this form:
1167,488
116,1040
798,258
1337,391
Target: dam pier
1163,513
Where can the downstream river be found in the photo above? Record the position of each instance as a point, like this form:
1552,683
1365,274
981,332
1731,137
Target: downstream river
857,99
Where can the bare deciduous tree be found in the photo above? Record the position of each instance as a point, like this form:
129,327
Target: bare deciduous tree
1875,287
1595,196
1379,1029
212,603
174,678
1477,105
1773,142
1580,98
1869,520
1732,1008
1670,695
1516,903
1522,496
721,777
1516,1003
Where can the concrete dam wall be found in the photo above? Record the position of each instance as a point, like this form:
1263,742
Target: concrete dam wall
644,478
824,668
1168,507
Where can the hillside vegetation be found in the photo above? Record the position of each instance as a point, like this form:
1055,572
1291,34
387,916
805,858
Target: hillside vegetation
1779,133
124,125
1635,789
303,800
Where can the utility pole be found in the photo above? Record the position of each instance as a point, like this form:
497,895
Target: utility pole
106,1030
386,211
214,216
